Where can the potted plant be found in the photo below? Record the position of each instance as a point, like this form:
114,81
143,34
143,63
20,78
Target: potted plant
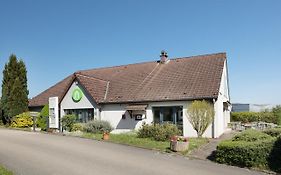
105,135
179,143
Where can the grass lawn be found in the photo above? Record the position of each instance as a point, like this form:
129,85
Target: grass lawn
133,140
4,171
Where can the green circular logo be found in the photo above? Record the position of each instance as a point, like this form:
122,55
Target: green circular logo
77,95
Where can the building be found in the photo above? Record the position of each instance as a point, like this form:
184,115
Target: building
157,91
247,107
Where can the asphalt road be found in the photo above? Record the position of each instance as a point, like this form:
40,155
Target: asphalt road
28,153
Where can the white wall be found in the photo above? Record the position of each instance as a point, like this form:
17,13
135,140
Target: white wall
85,102
113,113
222,118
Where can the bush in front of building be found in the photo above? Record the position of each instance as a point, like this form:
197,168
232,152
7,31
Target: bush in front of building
200,115
23,120
158,132
97,126
68,122
42,119
246,117
77,127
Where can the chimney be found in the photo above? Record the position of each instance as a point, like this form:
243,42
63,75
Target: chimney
163,57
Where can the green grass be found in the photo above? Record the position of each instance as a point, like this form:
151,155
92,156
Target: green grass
4,171
132,140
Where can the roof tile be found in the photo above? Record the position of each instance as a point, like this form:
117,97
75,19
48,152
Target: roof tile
186,78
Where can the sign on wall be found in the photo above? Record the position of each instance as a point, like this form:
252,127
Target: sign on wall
54,112
77,95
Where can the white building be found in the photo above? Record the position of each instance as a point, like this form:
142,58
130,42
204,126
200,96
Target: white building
248,107
129,95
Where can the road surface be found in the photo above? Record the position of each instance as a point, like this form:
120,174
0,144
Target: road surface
28,153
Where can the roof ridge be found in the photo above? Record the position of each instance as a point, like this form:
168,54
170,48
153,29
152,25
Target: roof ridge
203,55
145,62
87,76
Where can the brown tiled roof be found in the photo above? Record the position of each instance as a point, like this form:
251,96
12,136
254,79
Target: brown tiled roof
188,78
95,87
57,90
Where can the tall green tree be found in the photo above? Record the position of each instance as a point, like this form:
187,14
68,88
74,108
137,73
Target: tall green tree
14,98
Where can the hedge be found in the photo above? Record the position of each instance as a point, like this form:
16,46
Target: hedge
274,132
244,153
246,117
251,135
275,156
252,148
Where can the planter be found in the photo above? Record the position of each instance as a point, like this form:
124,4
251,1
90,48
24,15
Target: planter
179,143
179,146
105,136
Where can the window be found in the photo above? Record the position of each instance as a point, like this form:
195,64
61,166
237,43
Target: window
172,114
82,115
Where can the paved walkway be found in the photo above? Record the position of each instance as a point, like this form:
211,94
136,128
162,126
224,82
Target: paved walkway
206,152
28,153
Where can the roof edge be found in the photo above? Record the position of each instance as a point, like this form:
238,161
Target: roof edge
175,58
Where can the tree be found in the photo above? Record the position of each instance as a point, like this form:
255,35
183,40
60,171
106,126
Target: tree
14,98
200,114
277,113
43,118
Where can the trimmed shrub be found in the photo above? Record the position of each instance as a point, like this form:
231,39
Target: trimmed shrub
43,118
23,120
246,117
251,135
252,149
245,153
68,121
77,127
274,132
158,132
97,126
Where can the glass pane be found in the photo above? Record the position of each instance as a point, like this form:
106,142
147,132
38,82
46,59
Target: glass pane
82,115
167,114
156,115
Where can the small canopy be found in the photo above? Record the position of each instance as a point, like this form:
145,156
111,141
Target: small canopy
141,107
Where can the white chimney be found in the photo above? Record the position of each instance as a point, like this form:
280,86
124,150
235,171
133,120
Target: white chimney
163,57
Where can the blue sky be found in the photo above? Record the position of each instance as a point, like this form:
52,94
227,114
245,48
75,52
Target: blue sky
56,38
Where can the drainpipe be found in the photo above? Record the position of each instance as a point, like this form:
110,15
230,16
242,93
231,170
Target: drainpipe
213,123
